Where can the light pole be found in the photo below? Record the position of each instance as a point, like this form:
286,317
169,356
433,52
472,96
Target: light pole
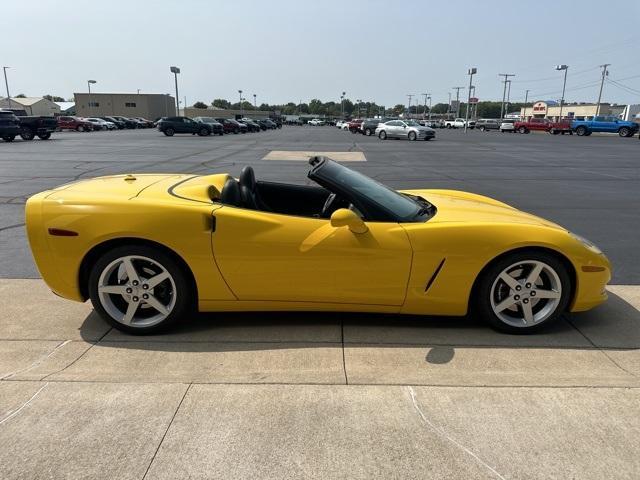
6,84
504,91
358,101
457,89
449,105
176,71
240,93
564,84
410,95
604,74
342,103
526,97
470,72
255,103
89,82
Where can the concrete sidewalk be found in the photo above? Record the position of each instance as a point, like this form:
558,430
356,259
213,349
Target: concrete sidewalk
316,395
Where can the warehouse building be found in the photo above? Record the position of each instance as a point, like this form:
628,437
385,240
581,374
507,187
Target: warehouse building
192,112
575,111
146,105
37,106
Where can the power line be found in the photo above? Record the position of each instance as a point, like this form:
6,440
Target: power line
624,87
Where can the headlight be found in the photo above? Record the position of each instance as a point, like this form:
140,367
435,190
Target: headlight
587,243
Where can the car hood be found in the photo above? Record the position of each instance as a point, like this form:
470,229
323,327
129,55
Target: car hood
458,206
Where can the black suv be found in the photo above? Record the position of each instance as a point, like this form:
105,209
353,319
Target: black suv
172,125
217,127
488,124
251,125
9,125
369,125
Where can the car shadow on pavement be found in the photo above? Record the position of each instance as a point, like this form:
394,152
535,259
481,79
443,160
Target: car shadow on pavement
612,326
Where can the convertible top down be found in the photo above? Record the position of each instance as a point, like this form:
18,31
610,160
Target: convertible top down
147,249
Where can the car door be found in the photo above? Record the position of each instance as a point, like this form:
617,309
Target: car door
269,256
395,127
189,125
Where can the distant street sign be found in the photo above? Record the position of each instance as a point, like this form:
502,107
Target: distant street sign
473,100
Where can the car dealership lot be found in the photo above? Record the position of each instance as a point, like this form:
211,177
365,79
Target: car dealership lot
317,395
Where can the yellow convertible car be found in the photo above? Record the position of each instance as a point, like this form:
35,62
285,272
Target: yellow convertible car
148,249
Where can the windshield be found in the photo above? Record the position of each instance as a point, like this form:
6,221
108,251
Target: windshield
399,205
411,123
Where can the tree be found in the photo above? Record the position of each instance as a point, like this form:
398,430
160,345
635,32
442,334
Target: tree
440,108
20,95
221,103
53,98
199,105
398,109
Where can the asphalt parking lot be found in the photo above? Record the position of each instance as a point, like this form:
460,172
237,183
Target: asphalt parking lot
327,395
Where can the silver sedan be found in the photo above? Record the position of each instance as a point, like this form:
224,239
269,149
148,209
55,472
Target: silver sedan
404,129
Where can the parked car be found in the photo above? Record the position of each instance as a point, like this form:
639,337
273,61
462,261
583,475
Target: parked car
369,125
118,123
408,129
507,125
9,125
217,128
145,122
229,126
340,123
459,123
74,123
172,125
485,124
277,121
607,124
100,124
251,125
354,125
543,125
128,122
315,122
32,126
432,123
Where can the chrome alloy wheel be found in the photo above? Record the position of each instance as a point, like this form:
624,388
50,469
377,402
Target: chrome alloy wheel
526,293
137,291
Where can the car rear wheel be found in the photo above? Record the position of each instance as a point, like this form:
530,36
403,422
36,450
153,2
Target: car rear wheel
523,130
523,291
169,132
368,132
625,132
44,136
139,289
412,136
27,134
79,128
482,129
382,135
581,131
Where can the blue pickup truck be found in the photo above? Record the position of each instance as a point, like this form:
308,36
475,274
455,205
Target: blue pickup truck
603,123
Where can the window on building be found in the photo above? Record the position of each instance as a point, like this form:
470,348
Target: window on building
94,104
130,104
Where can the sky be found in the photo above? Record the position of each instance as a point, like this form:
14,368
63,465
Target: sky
288,51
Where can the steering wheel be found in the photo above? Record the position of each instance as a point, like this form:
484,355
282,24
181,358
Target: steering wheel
328,204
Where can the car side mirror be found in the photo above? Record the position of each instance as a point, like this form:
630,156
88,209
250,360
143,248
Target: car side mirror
344,217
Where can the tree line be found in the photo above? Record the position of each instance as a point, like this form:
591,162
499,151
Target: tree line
361,109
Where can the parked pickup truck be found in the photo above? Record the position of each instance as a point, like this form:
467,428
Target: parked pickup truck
604,124
9,125
354,125
458,123
31,126
543,125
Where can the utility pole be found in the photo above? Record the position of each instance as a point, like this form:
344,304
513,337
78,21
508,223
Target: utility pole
410,95
429,106
424,112
504,92
604,74
6,84
449,105
526,97
457,89
506,107
470,72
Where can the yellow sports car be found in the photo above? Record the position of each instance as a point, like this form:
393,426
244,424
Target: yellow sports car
147,249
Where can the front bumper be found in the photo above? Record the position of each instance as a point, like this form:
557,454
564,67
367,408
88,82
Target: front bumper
591,283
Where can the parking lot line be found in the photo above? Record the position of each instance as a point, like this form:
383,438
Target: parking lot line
303,156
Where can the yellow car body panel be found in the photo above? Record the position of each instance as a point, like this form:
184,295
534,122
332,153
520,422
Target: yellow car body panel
253,260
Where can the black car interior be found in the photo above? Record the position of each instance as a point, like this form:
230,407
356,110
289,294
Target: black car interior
283,198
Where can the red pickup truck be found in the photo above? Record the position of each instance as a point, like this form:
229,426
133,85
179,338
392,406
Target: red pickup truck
544,125
354,125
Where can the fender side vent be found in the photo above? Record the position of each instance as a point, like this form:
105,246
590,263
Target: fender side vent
433,277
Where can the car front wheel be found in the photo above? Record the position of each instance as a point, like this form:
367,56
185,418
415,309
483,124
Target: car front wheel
382,135
139,289
412,136
581,131
523,291
169,132
624,132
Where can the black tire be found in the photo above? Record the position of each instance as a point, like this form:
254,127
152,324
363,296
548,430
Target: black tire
481,303
169,132
204,132
368,132
184,293
80,128
412,136
582,131
44,136
625,132
482,129
382,135
523,130
449,126
9,138
27,134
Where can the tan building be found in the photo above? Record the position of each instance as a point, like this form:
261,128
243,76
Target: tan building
36,106
192,112
146,105
576,111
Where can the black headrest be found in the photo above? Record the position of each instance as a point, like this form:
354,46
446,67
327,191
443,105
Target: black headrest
231,193
248,178
248,198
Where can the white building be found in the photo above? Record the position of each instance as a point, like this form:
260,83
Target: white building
37,106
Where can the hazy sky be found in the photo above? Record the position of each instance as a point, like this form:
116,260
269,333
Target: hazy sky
291,50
